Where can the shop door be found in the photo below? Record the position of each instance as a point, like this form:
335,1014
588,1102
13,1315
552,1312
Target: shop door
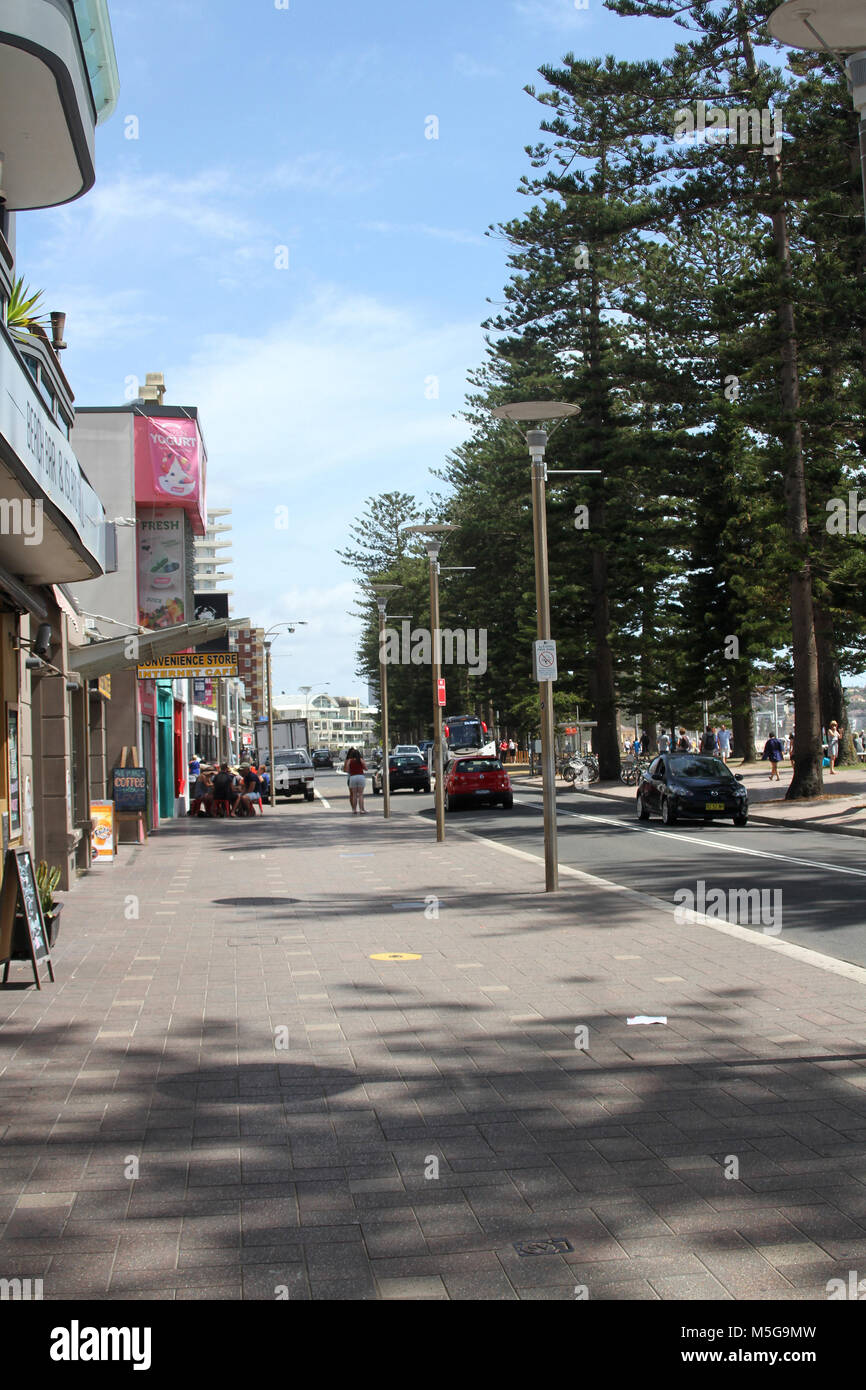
147,764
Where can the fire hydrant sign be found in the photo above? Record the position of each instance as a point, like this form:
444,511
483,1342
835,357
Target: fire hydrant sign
440,690
545,661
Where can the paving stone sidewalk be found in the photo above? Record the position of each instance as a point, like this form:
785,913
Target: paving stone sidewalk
219,1029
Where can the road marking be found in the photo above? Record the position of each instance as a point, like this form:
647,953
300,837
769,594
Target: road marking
326,804
395,955
710,844
767,943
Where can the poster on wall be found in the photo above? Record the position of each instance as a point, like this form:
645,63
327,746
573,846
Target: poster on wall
170,465
13,772
161,568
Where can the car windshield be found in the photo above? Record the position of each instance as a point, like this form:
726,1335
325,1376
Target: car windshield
478,765
687,765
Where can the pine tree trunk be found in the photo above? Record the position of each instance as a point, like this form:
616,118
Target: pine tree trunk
742,716
807,779
833,704
601,676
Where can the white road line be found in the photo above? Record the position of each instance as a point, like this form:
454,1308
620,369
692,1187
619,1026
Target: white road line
711,844
845,968
326,804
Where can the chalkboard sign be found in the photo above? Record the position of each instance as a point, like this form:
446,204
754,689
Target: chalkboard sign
129,788
20,891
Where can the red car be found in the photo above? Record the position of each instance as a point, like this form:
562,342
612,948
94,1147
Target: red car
472,778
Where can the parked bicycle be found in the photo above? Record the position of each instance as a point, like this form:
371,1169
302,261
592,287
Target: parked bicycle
632,768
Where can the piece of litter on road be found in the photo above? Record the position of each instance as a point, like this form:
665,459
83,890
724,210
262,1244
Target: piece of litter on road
647,1018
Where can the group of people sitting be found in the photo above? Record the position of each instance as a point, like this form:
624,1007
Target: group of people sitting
227,791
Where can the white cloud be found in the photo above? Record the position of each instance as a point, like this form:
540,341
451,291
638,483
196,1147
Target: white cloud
553,14
424,229
467,66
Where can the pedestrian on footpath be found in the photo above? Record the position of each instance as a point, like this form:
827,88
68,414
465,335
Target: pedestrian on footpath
708,742
357,772
664,743
503,751
684,743
773,752
723,738
834,738
512,749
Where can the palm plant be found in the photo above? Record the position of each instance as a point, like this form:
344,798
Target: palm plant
47,879
21,315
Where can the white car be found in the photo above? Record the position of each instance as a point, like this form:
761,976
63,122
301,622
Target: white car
410,748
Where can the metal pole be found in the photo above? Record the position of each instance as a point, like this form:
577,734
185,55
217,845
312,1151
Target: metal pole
545,688
437,709
383,702
272,795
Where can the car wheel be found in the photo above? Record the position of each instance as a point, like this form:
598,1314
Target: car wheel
426,787
669,815
376,790
642,809
415,789
741,819
450,803
507,803
309,796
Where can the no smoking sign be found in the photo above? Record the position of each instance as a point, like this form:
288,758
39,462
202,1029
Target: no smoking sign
545,661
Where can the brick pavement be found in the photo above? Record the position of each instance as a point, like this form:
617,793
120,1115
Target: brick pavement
302,1171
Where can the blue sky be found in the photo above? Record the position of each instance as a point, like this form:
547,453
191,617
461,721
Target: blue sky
260,128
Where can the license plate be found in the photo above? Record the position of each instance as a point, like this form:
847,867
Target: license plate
714,806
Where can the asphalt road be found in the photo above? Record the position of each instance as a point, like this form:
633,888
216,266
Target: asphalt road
815,883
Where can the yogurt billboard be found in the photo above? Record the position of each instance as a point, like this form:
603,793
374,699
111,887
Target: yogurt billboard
170,466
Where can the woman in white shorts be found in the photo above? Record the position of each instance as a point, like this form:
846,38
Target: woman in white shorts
357,770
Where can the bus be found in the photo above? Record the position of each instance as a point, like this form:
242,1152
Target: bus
465,733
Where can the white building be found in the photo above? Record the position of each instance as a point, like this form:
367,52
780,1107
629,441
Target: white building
336,721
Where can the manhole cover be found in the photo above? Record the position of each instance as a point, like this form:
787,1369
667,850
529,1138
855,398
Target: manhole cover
554,1245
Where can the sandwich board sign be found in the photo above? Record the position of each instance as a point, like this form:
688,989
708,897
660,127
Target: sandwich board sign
28,937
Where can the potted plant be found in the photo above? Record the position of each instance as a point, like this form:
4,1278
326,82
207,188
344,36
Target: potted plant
47,879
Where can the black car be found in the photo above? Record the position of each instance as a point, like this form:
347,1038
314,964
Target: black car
406,772
322,758
693,786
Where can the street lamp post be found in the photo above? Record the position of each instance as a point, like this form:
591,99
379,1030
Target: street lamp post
837,27
380,593
290,627
540,413
433,537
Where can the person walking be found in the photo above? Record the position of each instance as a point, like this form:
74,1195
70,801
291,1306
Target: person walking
709,743
684,743
834,739
723,738
773,752
664,743
357,772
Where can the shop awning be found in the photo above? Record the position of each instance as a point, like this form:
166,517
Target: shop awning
113,654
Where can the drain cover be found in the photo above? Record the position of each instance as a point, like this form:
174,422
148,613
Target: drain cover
554,1245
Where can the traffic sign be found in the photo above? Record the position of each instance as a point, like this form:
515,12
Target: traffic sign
440,690
545,661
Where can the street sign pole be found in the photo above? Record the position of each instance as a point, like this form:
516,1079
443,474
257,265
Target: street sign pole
437,708
545,688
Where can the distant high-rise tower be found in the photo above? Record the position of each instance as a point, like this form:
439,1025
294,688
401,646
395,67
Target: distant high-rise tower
208,577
